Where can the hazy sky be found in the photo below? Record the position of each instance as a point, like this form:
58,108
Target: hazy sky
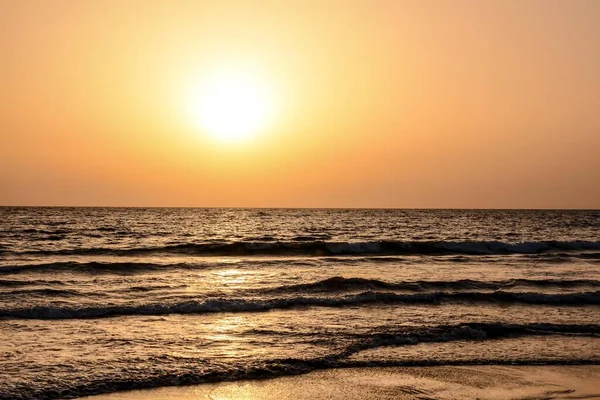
487,104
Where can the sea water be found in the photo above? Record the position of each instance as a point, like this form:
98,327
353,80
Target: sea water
95,300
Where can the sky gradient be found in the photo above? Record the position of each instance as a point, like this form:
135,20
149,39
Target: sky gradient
416,104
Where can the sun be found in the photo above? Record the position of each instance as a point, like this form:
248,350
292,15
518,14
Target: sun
232,105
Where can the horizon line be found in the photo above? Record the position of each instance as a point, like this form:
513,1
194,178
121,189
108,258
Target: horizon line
313,208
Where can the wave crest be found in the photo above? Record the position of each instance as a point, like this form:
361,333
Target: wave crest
256,305
319,247
338,283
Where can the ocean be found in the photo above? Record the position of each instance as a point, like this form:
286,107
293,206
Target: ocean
97,300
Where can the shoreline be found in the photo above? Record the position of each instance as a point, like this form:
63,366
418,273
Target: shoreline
493,382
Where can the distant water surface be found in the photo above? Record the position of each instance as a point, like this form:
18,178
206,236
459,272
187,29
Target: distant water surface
96,300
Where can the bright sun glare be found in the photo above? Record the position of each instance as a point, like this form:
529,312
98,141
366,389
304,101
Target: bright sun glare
232,105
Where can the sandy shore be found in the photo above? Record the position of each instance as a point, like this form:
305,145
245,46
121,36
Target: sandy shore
472,382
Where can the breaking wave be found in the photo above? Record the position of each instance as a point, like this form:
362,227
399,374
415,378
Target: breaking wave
259,305
320,248
93,267
338,283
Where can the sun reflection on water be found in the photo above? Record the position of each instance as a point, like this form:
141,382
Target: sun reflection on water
231,276
226,336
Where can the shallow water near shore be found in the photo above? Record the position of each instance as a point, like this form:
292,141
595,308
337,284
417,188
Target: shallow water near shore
406,383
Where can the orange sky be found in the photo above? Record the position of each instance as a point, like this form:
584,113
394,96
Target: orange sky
468,104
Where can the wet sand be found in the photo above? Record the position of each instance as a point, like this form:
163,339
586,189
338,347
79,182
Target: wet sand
468,382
